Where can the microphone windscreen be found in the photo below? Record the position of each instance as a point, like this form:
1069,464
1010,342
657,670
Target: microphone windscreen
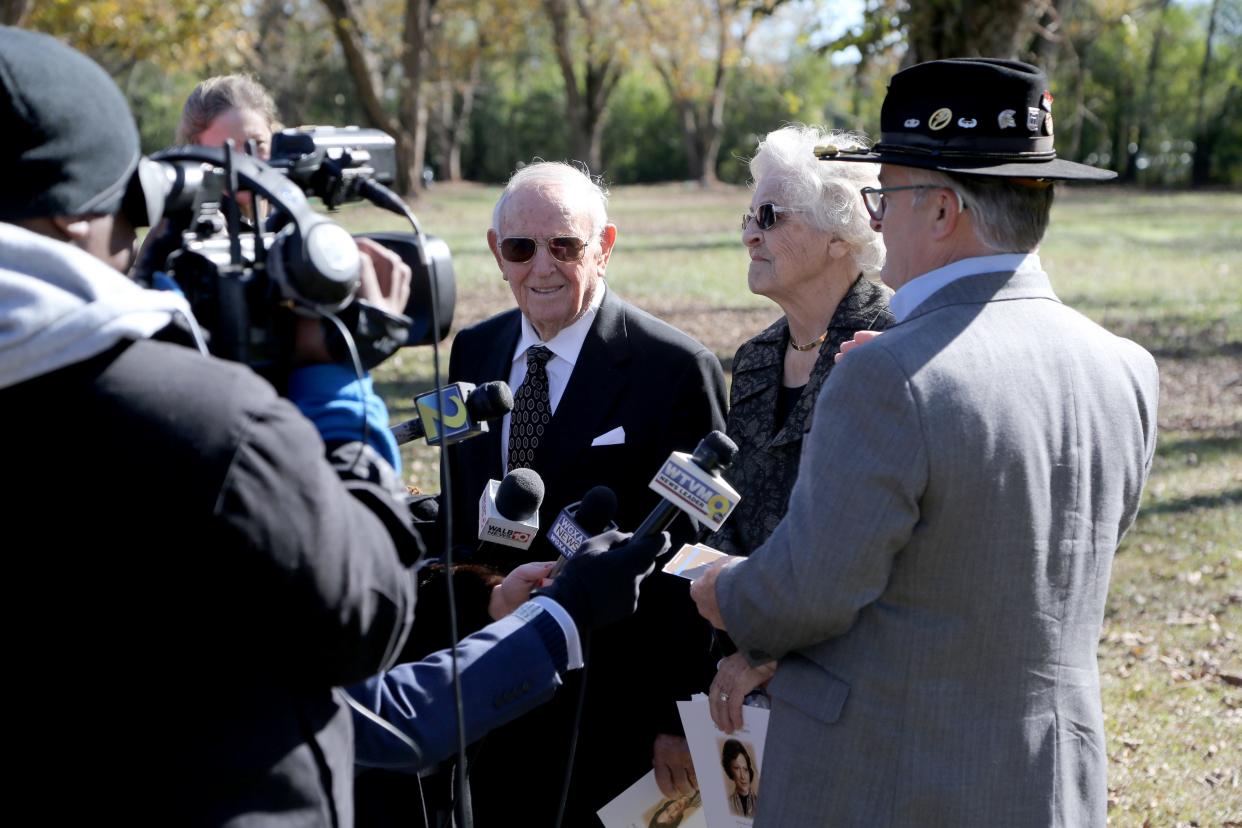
724,448
489,401
519,495
596,511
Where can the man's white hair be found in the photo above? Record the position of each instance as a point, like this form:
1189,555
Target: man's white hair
826,192
582,193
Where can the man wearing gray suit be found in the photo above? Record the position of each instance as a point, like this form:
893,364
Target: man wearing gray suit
934,594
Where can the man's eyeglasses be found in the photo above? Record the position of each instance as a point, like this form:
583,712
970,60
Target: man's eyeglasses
876,203
520,249
765,215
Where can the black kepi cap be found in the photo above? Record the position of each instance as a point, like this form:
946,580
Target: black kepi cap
972,116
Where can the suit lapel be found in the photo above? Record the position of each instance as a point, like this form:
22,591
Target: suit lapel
495,362
598,379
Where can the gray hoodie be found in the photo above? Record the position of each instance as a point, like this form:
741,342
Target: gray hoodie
59,305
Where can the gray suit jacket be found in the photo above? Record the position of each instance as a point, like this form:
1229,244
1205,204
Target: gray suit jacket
936,590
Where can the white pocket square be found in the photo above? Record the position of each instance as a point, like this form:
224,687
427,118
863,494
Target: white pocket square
616,437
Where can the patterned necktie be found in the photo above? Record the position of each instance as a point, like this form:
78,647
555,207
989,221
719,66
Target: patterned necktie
531,409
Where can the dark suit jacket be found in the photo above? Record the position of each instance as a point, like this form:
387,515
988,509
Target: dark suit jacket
667,391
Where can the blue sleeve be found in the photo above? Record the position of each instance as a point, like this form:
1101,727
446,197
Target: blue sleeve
333,398
507,668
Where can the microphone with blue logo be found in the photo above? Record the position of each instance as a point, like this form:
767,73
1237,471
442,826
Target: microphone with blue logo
458,412
691,483
581,521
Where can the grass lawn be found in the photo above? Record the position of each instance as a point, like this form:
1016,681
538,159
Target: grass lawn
1163,269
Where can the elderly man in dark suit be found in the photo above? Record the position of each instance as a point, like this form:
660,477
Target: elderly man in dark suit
936,589
603,393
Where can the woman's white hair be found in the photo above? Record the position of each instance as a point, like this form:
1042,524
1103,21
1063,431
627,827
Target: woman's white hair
583,193
826,192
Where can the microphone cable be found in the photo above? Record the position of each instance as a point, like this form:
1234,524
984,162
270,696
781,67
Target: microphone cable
585,639
386,199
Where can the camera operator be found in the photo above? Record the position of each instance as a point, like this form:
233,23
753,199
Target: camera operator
200,578
233,108
196,578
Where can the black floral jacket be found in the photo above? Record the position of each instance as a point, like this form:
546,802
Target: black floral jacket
767,461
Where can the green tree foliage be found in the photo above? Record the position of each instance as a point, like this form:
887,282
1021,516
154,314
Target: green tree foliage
497,94
1110,114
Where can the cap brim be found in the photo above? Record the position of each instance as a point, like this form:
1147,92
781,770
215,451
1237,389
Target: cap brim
1055,170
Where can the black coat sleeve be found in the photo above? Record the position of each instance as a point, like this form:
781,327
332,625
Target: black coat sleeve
329,596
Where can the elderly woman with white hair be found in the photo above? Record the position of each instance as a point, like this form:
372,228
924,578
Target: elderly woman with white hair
813,253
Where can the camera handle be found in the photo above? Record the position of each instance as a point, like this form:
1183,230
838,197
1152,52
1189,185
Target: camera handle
313,259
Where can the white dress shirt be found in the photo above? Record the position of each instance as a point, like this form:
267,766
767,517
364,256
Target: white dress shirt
565,348
919,289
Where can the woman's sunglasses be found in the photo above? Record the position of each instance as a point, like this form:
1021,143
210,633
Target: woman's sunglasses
520,249
765,215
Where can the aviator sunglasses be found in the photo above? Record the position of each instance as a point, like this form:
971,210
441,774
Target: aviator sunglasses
765,215
520,249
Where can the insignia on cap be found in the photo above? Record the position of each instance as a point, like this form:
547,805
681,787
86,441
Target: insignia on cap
940,119
911,123
1005,119
1045,102
826,151
1048,124
1033,114
967,123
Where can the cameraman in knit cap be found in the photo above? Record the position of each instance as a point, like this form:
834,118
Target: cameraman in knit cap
211,578
200,577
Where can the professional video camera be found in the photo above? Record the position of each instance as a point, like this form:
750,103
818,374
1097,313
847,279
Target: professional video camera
241,241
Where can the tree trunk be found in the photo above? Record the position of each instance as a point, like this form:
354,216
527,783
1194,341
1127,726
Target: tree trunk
1135,149
411,106
1201,161
938,29
13,11
409,128
585,102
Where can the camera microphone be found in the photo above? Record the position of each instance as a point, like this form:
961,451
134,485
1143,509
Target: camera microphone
509,509
579,521
460,411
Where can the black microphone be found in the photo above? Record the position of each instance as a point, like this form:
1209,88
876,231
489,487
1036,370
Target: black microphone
466,410
579,521
692,483
509,509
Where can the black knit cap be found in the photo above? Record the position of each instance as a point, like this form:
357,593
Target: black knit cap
972,116
68,143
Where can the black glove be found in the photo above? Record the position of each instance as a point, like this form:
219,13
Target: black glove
599,585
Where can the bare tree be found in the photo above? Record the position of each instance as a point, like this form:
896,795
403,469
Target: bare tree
937,29
694,49
1201,161
1135,148
409,128
588,33
12,11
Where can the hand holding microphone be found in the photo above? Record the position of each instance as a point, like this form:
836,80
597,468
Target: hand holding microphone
578,522
599,584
